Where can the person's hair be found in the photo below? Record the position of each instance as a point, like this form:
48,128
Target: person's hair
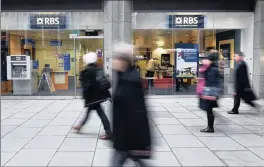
241,54
90,58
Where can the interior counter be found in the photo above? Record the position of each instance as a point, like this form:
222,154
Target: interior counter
60,80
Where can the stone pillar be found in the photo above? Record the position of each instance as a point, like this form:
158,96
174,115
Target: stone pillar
258,66
117,27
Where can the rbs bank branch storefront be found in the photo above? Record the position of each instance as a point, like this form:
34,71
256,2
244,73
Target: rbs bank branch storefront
41,52
180,40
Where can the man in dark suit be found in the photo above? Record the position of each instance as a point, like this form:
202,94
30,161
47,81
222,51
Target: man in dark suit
242,85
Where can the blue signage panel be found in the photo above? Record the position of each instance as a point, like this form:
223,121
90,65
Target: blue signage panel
55,43
35,64
48,21
186,21
67,62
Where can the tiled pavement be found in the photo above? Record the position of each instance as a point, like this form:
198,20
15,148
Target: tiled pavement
38,133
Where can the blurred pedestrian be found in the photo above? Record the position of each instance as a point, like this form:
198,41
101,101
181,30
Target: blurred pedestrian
151,66
209,90
242,85
131,133
95,91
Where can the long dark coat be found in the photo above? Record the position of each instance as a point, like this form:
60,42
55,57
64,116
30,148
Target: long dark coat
91,93
211,76
130,118
242,85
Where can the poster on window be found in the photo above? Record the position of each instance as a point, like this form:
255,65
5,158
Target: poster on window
225,55
165,60
186,60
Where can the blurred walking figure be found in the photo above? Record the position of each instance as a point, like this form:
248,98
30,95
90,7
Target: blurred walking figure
95,91
131,133
151,66
208,89
242,86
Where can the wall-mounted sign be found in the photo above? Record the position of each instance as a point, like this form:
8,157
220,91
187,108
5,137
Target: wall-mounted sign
55,43
48,22
67,62
165,59
18,58
186,21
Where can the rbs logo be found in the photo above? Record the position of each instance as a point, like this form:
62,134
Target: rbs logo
48,21
186,20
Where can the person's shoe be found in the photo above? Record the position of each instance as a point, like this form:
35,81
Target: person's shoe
232,112
207,130
105,137
77,128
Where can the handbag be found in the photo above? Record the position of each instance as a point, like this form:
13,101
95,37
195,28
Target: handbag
211,91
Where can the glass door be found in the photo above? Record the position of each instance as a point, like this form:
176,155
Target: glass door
83,45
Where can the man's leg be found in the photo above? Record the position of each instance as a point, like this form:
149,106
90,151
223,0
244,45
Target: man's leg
84,120
251,104
119,158
151,75
236,105
105,122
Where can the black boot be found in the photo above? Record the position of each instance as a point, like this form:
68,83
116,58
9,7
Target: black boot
232,112
210,120
207,130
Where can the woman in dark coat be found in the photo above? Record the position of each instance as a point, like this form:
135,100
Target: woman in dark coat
208,98
92,95
131,133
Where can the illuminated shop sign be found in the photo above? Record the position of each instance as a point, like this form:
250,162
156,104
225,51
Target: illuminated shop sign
186,21
48,22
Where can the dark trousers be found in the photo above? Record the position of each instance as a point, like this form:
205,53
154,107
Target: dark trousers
179,83
150,74
120,157
100,113
237,100
210,117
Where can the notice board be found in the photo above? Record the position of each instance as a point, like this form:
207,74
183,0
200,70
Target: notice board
67,62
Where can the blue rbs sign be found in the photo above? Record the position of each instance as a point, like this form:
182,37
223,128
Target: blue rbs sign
186,21
48,22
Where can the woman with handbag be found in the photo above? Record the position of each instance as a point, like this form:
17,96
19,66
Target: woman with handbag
211,90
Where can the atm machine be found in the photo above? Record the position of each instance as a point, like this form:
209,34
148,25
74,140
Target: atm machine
20,70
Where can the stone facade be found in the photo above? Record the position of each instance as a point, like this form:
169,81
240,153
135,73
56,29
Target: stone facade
258,66
117,27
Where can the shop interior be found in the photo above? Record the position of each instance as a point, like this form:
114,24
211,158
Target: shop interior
173,73
52,51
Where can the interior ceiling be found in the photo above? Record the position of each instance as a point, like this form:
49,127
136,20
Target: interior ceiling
43,35
153,38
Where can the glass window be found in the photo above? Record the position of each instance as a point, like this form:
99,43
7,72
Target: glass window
45,58
179,41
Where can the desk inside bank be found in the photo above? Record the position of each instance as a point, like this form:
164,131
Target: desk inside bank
60,80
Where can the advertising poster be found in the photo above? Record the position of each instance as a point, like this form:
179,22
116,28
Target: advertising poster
225,55
165,60
186,60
